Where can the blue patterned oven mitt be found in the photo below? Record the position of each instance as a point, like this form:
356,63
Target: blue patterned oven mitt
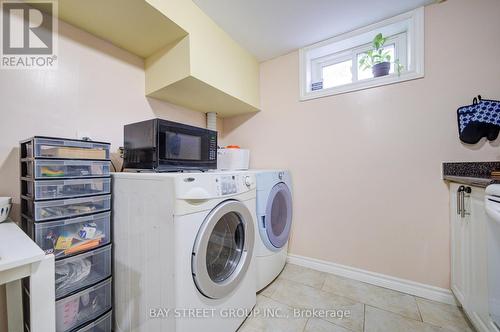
481,119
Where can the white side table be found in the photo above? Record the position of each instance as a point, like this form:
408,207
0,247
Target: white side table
20,257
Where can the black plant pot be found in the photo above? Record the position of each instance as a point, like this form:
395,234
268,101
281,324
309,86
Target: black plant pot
381,69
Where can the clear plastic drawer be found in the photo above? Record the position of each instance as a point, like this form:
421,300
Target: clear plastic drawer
64,149
83,270
58,169
65,208
70,236
82,307
102,324
57,189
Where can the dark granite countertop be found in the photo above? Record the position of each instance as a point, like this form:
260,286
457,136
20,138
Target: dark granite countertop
471,173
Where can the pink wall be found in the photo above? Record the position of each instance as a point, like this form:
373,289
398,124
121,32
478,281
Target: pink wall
366,165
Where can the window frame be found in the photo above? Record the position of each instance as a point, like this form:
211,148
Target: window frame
409,49
328,60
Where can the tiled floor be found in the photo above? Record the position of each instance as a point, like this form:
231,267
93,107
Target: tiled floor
306,300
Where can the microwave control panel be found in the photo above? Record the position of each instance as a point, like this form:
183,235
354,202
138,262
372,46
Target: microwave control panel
212,150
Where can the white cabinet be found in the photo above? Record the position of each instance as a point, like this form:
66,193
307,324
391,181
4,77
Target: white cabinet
479,260
458,261
469,270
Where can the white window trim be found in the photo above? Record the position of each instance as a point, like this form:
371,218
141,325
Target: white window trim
415,55
398,40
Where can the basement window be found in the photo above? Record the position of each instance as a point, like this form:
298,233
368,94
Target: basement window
345,63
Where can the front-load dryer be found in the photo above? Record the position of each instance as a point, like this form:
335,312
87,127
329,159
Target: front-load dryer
274,220
184,245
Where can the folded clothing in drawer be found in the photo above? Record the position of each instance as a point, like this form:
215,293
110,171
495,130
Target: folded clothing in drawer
101,324
44,147
82,270
65,208
57,189
82,307
61,169
70,236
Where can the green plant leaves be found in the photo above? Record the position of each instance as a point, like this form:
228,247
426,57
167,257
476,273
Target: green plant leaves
365,62
377,54
379,41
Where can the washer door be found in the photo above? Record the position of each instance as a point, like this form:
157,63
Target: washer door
223,249
278,219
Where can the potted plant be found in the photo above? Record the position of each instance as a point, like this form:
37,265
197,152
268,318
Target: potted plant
377,59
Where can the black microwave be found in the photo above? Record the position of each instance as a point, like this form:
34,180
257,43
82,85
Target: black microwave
166,146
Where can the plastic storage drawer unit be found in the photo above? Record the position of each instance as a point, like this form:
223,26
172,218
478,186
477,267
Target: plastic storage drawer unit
83,270
101,324
82,307
41,147
63,169
57,189
70,236
65,208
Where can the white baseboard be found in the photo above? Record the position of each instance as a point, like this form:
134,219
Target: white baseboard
402,285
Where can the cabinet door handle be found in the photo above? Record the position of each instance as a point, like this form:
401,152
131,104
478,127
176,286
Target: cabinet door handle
460,191
462,204
467,190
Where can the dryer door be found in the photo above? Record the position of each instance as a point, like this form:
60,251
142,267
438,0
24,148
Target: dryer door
278,218
223,249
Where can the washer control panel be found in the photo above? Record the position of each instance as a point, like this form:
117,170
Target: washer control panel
209,185
248,181
227,185
233,184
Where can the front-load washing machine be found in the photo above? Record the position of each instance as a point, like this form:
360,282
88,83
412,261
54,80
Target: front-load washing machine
183,248
274,220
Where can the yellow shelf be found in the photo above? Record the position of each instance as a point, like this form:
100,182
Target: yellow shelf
198,95
189,60
133,25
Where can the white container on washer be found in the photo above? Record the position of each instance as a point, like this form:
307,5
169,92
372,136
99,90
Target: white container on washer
233,158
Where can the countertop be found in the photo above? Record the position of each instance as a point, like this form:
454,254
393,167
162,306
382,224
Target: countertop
16,248
471,181
476,174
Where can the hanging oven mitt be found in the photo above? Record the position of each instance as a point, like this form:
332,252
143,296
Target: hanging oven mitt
481,119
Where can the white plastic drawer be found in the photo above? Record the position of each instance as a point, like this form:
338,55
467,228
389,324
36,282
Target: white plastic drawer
82,307
70,236
69,149
66,208
83,270
102,324
60,169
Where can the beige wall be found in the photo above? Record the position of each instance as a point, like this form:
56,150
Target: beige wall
97,88
366,165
